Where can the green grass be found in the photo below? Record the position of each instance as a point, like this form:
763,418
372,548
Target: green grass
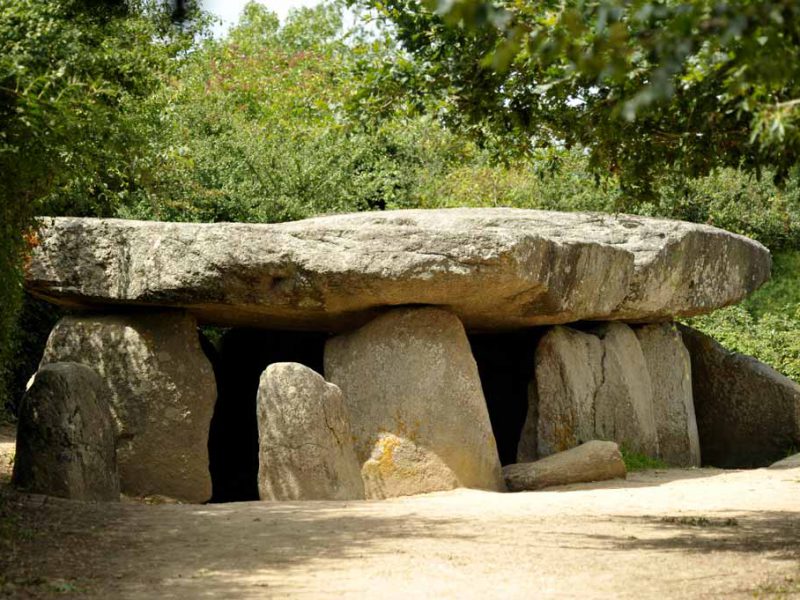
635,461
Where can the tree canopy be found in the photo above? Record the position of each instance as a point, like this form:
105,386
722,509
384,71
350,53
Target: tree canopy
644,85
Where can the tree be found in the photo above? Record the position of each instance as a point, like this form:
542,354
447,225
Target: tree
67,67
645,86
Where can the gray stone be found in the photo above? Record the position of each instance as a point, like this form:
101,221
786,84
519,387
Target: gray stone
411,373
589,386
493,268
748,414
399,467
670,369
305,445
162,395
592,461
569,371
623,405
66,436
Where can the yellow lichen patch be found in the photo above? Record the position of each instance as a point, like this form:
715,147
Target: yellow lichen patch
385,459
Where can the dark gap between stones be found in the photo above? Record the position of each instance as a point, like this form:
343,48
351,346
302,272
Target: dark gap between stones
506,367
239,358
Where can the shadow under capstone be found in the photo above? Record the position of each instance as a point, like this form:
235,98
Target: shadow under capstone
239,360
506,367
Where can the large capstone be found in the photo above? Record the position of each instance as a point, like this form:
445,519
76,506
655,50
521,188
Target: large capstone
493,268
411,373
670,369
66,436
748,414
305,445
162,395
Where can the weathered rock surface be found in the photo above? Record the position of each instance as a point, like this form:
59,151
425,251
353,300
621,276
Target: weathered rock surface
493,268
623,406
305,445
670,369
748,414
162,395
569,371
592,461
399,467
411,373
589,386
66,436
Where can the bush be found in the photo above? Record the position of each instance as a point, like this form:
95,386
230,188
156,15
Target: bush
767,324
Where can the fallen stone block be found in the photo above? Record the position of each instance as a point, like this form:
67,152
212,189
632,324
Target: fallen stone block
592,461
748,414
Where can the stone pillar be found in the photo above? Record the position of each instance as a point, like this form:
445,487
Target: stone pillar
162,395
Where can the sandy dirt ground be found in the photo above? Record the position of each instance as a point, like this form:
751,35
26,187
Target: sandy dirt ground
701,533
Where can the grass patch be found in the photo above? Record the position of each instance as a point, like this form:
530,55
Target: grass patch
635,461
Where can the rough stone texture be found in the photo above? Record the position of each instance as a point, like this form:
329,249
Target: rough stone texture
790,462
589,386
623,406
569,370
305,445
670,369
494,268
66,436
399,467
411,373
592,461
162,395
748,414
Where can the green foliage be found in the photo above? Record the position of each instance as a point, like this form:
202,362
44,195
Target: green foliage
644,85
767,324
253,129
67,68
635,461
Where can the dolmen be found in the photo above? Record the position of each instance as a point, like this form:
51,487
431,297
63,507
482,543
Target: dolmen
340,355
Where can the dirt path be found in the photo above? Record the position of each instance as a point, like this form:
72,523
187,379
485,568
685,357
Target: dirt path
682,534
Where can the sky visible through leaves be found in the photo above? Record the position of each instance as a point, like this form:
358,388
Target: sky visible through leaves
228,11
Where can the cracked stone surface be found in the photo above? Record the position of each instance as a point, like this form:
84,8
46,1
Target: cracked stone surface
609,384
493,268
305,445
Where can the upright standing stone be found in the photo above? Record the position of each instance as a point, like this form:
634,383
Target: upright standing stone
748,414
569,371
162,395
589,386
305,445
670,369
66,437
411,373
624,402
